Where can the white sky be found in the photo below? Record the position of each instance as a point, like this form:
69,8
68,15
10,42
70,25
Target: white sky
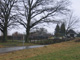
75,6
76,9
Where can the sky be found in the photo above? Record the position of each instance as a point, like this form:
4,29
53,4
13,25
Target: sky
76,10
75,6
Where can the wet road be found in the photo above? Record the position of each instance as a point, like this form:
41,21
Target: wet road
10,49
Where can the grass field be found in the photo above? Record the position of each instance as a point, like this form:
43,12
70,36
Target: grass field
9,43
69,50
65,54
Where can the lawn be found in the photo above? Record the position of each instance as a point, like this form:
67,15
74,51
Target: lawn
65,54
69,50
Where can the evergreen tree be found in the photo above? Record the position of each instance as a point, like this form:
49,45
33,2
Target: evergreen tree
57,30
62,30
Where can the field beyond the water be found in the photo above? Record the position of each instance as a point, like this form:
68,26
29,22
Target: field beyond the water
69,50
15,43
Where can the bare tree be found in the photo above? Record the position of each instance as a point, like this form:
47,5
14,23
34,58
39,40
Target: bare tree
7,19
42,31
71,22
40,11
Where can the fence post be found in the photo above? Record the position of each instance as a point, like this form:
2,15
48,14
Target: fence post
23,40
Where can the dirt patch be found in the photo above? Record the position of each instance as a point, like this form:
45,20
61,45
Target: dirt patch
1,46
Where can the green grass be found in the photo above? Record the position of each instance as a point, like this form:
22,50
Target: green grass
68,54
11,43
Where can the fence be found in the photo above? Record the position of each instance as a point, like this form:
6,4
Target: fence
49,41
12,38
37,39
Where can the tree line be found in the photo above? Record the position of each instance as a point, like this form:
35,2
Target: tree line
30,14
60,31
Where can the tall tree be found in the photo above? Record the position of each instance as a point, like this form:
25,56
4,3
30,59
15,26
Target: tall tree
57,30
62,29
71,22
6,17
40,11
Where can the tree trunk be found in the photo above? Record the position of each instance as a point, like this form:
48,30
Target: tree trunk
27,36
28,25
4,35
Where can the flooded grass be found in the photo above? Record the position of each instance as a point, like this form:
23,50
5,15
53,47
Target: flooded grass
9,43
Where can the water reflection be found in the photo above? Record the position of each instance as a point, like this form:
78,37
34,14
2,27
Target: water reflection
4,50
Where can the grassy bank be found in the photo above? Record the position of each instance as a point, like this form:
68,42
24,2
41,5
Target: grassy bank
63,54
69,50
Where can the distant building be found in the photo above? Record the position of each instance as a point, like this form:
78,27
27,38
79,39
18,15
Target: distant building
71,33
78,35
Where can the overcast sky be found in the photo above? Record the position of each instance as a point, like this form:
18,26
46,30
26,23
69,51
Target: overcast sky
75,6
76,9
